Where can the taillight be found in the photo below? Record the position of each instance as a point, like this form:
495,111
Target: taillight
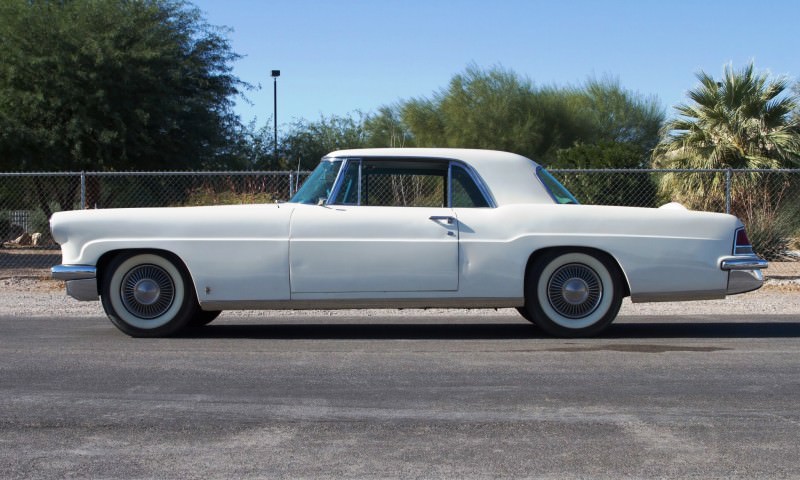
741,244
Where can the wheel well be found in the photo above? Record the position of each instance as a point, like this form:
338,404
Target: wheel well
106,258
588,250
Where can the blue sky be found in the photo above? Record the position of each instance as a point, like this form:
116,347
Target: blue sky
337,57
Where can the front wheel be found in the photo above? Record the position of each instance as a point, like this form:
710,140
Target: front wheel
147,295
573,294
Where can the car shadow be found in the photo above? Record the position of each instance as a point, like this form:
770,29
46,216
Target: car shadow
493,331
705,330
322,331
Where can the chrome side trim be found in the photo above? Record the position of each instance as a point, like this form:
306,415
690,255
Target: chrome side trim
339,304
84,290
73,272
742,263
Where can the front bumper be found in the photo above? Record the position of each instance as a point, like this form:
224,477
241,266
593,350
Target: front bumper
81,281
744,273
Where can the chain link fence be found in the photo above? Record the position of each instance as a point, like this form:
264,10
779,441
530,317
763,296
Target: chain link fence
767,201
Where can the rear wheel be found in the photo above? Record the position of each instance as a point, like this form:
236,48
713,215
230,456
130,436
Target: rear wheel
573,294
148,295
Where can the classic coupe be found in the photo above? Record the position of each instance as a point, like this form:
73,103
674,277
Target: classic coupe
401,228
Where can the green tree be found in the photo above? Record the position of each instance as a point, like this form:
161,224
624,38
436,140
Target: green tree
619,115
307,142
113,85
624,128
494,109
498,109
742,121
387,129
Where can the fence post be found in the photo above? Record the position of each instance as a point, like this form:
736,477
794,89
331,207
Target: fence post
291,175
83,190
728,174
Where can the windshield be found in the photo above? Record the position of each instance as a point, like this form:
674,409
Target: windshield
319,184
559,192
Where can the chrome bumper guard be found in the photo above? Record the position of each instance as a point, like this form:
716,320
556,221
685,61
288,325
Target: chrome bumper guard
744,273
81,281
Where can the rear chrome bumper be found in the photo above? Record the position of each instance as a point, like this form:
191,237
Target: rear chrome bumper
744,273
81,281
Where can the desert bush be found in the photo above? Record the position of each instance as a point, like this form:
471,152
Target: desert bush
209,196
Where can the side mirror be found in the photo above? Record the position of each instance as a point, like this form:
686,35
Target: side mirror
321,201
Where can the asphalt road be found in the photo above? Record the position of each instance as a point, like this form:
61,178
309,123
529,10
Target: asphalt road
403,397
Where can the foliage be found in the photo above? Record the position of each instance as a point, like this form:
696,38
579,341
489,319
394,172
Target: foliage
307,142
742,121
773,232
387,129
258,150
498,109
112,85
495,109
209,196
768,207
629,188
618,115
796,113
491,109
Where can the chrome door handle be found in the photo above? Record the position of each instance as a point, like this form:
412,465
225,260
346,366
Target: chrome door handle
442,218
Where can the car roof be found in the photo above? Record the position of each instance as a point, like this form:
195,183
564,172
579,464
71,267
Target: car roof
511,178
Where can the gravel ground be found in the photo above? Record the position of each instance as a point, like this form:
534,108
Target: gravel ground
29,297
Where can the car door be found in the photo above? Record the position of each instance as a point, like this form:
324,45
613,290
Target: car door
387,229
373,249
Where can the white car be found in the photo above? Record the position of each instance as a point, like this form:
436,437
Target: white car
399,228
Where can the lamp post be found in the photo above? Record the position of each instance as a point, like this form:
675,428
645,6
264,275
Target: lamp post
275,75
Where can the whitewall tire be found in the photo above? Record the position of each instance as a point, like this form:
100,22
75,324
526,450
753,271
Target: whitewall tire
148,294
573,293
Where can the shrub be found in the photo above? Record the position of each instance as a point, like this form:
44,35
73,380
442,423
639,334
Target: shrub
208,196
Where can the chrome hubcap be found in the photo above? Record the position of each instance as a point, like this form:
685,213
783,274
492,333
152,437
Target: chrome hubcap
574,291
147,291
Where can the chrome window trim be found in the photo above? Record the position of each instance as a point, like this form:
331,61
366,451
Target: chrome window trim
476,178
337,182
449,185
346,161
358,202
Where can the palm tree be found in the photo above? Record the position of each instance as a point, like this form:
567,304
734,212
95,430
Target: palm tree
743,121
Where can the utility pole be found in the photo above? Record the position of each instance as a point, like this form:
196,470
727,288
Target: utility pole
275,75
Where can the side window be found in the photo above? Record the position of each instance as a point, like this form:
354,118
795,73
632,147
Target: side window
348,192
404,184
466,193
